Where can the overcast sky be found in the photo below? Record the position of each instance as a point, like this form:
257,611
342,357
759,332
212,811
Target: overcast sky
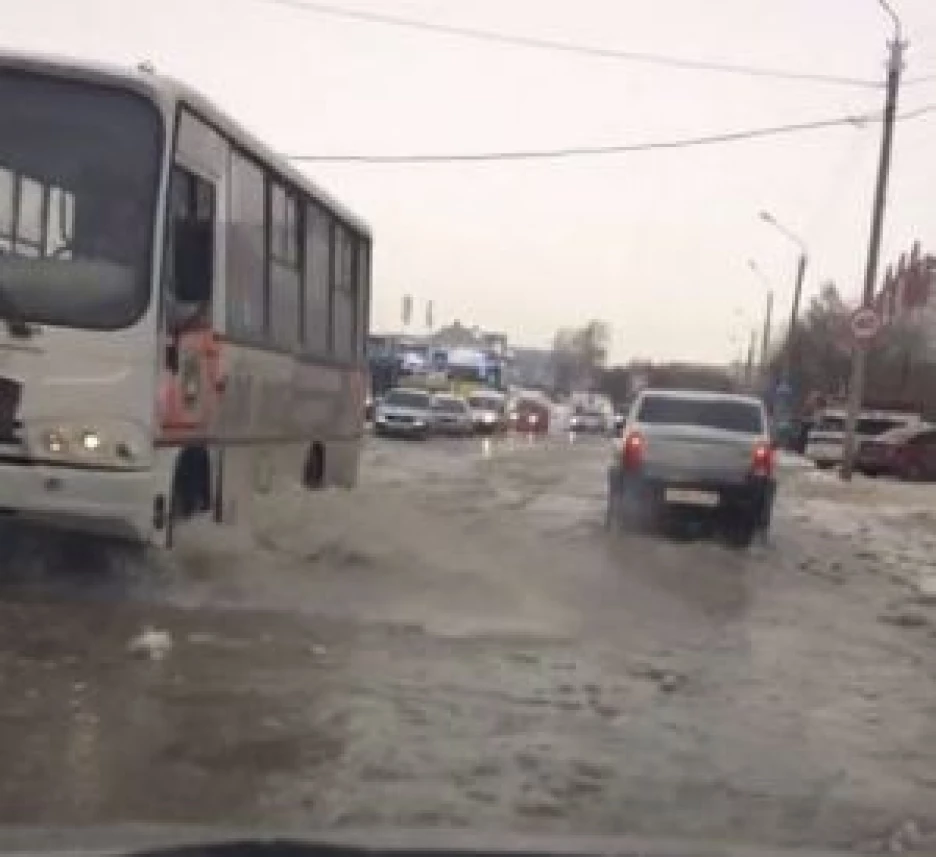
656,243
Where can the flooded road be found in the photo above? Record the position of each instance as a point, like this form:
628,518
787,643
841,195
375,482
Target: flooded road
459,643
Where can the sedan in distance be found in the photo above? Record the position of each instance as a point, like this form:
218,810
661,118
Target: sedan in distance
488,411
529,416
451,415
590,421
907,453
404,413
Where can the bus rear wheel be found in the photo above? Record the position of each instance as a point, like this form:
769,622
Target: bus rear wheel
313,475
191,490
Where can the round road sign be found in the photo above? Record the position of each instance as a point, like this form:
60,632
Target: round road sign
865,324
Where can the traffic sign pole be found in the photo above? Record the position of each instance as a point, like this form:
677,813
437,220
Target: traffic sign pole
859,364
865,324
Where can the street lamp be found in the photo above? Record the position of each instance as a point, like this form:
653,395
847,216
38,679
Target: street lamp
765,338
767,217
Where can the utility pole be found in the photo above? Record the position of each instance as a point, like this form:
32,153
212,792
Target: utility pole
794,313
860,353
784,404
749,365
765,339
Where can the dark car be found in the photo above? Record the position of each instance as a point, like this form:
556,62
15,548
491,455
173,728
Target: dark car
529,416
907,453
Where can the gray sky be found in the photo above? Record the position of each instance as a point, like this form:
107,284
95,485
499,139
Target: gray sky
656,243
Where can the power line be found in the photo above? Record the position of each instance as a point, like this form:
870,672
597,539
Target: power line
647,58
622,149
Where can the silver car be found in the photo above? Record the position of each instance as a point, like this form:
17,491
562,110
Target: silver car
404,413
589,421
451,415
693,452
488,410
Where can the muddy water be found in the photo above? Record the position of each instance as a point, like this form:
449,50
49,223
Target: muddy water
459,643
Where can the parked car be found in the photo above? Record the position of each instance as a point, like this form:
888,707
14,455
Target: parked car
826,441
529,415
451,415
699,454
908,453
585,420
404,413
488,411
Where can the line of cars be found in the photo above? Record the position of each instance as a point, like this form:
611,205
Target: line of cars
418,413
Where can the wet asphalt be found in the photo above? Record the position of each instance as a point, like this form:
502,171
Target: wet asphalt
460,644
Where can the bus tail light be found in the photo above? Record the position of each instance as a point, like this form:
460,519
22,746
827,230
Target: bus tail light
632,453
762,460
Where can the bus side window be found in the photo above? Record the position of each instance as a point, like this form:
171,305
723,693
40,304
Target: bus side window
189,270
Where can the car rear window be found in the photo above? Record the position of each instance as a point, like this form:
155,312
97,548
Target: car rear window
831,424
407,399
449,406
726,414
874,427
489,403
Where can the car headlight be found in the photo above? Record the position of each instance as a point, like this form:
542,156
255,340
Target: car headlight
96,443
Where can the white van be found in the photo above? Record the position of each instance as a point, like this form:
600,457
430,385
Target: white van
826,442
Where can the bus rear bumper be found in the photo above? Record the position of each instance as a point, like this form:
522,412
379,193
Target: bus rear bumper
110,504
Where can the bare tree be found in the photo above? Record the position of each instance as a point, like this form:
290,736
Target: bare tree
579,355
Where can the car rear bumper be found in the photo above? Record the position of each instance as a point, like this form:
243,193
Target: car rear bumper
711,495
454,428
589,429
104,503
825,453
401,429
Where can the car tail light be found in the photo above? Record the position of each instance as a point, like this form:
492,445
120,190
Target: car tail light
762,460
632,453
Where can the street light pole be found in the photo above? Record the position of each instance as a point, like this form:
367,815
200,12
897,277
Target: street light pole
860,352
794,314
767,217
765,338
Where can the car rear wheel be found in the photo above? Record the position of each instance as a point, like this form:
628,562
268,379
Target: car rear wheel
740,532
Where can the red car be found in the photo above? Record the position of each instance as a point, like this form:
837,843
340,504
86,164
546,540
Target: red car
530,417
908,453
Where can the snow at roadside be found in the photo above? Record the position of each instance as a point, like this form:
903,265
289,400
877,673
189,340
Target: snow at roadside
888,522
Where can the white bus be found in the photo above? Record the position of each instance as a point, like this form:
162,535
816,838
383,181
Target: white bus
182,314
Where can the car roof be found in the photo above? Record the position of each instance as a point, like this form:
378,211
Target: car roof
701,396
416,390
905,432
